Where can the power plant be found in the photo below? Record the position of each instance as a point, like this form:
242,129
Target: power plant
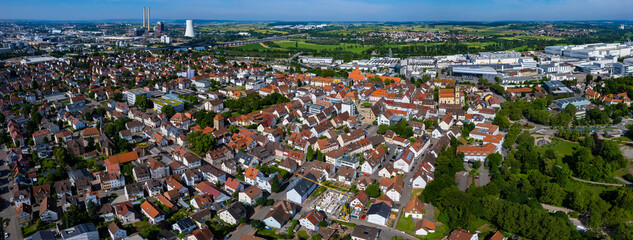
148,19
189,30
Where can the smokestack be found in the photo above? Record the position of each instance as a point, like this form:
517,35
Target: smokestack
143,17
148,21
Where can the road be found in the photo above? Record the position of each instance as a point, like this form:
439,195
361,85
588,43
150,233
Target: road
8,209
575,221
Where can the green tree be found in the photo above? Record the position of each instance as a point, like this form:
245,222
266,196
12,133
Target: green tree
168,110
373,190
143,102
382,128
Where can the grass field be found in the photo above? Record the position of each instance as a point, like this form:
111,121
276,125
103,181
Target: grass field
406,224
293,43
561,148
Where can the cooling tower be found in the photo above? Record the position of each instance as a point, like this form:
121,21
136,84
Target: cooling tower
189,30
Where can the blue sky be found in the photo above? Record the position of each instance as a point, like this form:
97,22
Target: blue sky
321,10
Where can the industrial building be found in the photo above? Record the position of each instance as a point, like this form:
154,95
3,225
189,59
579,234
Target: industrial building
473,71
592,51
556,87
623,69
189,32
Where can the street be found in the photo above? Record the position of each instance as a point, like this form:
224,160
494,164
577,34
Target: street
8,209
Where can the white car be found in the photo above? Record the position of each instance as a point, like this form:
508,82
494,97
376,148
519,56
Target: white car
6,235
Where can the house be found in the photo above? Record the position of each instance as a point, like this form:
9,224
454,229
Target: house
358,203
404,163
250,195
48,210
447,122
312,219
40,135
232,185
477,153
68,201
157,168
378,213
106,212
201,201
414,208
141,173
280,213
387,171
346,175
288,165
462,234
232,213
124,211
201,234
154,186
134,192
184,225
498,236
116,231
201,217
392,187
361,232
40,192
63,187
152,212
422,177
24,213
424,227
301,188
374,160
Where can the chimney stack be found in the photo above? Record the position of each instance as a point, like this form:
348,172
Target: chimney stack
143,17
148,20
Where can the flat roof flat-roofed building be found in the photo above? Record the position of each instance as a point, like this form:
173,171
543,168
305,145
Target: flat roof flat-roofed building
556,87
592,51
86,231
132,94
473,71
179,106
576,101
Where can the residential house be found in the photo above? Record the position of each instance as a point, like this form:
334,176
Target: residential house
301,188
250,195
280,213
378,213
48,210
116,231
414,208
152,212
232,213
124,211
424,227
462,234
312,220
185,225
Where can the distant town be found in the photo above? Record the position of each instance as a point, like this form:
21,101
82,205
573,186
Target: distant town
211,130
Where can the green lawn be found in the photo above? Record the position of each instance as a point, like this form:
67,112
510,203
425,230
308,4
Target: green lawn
593,188
562,148
406,224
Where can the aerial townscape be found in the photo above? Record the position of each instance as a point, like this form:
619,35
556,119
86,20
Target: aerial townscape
157,128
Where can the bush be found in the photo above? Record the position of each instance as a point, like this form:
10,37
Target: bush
574,214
